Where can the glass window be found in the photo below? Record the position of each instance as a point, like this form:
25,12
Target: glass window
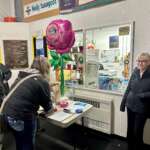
76,66
108,55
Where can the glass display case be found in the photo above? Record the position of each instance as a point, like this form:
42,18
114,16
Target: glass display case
101,58
77,55
75,69
108,57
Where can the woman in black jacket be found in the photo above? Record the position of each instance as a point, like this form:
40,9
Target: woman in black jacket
22,106
137,101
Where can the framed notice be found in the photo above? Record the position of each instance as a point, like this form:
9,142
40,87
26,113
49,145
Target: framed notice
114,41
16,53
67,4
40,46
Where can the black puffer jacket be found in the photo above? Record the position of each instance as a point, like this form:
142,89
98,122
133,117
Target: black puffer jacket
26,99
5,75
137,95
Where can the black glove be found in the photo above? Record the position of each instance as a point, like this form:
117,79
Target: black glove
122,107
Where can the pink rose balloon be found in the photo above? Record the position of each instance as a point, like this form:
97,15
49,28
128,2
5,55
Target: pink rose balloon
60,36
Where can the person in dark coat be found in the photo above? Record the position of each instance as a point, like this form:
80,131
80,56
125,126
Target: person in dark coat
5,75
137,101
22,106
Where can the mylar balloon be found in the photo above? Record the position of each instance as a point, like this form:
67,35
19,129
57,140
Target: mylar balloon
60,36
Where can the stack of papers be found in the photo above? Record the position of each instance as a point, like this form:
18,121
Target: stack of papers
59,116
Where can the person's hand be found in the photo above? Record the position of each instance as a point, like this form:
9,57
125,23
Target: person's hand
50,112
54,84
122,107
46,114
42,114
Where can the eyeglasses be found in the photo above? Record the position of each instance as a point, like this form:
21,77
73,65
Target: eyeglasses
142,61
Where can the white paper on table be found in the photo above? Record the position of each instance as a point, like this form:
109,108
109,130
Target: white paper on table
59,116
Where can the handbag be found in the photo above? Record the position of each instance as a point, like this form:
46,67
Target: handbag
3,119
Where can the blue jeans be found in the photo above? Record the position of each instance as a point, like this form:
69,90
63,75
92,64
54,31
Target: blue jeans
24,132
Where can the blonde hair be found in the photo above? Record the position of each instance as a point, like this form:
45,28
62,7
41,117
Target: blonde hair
145,55
41,64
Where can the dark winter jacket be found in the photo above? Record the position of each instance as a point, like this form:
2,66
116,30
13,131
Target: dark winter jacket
26,99
137,95
5,75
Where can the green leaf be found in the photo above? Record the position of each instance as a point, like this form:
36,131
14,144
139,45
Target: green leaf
52,61
59,62
55,67
55,63
66,57
54,55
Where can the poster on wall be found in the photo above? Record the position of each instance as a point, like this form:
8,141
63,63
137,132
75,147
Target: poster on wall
67,5
15,53
39,9
40,46
113,41
124,30
110,56
79,5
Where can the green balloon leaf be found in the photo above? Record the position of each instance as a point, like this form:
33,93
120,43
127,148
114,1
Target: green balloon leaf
66,57
52,61
54,55
55,63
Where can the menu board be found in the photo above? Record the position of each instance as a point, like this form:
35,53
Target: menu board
15,53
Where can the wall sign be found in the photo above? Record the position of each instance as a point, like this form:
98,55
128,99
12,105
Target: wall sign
40,46
86,4
67,5
15,53
114,41
34,10
124,30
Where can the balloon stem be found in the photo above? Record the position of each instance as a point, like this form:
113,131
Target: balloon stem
62,76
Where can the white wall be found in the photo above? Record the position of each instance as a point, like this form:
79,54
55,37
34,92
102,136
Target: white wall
118,13
6,8
15,31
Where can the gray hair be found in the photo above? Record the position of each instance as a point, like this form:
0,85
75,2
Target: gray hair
145,55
